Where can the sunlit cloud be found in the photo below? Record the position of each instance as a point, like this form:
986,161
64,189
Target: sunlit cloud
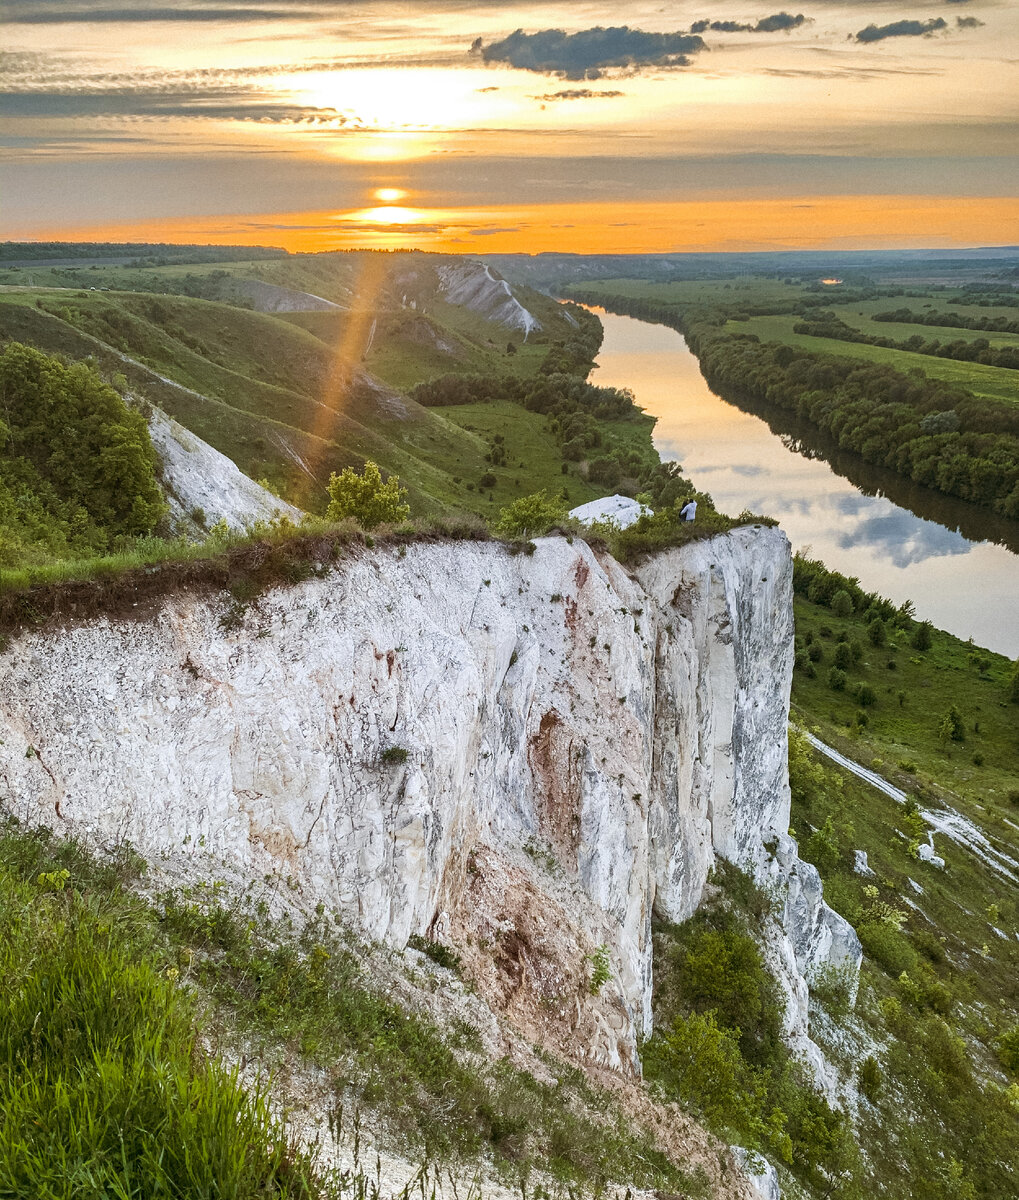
117,110
905,28
579,94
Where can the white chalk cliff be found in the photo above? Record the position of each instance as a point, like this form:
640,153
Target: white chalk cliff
581,742
196,476
473,286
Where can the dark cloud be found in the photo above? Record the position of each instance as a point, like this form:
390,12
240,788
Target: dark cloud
906,28
968,23
56,15
773,24
591,52
578,94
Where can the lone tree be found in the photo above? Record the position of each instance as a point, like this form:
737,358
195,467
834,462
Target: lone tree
921,639
952,728
366,498
842,603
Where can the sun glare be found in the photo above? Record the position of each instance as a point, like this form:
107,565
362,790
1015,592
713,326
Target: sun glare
389,195
391,214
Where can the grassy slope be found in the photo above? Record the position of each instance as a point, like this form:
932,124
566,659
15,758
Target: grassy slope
104,1087
933,1030
97,1115
264,386
950,672
269,390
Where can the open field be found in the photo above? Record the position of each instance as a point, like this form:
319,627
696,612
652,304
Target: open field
994,383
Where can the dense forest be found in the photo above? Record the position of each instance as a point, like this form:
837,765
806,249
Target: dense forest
77,468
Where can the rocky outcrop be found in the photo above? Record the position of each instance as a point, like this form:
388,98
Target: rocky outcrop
524,756
203,486
472,285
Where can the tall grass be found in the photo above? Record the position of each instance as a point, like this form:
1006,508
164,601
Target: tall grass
104,1091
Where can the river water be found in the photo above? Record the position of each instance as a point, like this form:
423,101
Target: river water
957,563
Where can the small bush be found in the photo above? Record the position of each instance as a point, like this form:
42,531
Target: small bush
842,603
951,727
889,948
441,955
393,755
701,1062
1008,1049
921,639
837,679
366,498
530,516
600,972
871,1078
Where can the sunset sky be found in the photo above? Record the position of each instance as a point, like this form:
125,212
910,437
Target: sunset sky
321,124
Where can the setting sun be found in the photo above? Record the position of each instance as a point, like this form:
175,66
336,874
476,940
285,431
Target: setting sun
389,195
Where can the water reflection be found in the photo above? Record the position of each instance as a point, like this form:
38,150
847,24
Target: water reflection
899,539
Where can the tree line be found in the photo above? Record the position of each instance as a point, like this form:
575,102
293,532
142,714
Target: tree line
954,320
974,350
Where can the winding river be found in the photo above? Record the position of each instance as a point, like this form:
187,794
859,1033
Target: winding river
958,563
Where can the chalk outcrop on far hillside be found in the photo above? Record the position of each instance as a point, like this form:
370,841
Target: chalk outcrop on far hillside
523,756
472,285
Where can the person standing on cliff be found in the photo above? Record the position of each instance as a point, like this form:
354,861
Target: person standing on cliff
688,511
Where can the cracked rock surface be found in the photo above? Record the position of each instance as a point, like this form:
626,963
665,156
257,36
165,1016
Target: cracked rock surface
523,756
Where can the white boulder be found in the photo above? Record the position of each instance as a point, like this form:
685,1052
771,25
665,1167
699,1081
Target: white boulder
621,511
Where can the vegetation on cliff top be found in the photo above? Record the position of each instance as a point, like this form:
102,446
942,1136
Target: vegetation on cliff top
77,468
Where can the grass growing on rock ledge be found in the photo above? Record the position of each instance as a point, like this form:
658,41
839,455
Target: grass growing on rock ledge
107,1091
280,552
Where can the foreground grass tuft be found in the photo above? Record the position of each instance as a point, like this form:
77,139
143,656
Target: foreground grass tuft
103,1088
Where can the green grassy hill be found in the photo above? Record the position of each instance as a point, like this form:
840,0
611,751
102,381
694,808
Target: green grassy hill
291,397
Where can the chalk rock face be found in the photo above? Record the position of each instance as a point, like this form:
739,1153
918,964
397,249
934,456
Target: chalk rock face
197,476
523,756
472,285
761,1174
